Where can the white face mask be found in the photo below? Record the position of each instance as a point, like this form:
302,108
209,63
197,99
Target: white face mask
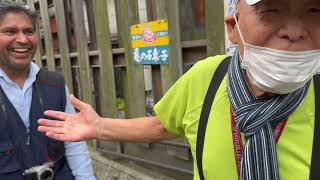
278,71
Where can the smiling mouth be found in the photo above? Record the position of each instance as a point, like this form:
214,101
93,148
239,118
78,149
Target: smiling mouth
20,50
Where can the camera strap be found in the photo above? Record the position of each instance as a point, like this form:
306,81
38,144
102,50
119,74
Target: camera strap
16,148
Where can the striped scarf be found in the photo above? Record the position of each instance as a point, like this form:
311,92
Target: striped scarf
255,118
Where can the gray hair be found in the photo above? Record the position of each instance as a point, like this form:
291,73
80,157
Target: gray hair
7,6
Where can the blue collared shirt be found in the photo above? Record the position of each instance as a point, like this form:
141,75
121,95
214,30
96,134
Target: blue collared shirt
76,152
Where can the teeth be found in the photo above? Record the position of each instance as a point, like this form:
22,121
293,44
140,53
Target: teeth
20,50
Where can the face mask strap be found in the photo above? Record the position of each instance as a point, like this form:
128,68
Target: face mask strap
235,18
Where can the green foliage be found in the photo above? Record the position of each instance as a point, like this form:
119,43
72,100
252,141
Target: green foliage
120,104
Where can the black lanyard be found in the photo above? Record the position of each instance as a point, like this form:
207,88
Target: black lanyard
315,161
213,87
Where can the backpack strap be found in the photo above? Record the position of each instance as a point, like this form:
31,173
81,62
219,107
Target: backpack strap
315,160
213,87
50,78
55,149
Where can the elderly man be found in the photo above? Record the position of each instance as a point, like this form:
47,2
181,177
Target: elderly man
255,122
26,91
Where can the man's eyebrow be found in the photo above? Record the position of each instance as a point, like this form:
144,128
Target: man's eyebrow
257,8
8,28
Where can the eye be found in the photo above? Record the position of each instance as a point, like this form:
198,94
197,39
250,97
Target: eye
270,10
315,11
8,32
29,32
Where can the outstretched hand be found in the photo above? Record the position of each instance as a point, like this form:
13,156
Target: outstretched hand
71,127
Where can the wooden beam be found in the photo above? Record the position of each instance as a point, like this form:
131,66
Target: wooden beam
108,92
169,9
91,25
82,49
215,27
127,16
63,43
47,34
37,56
170,73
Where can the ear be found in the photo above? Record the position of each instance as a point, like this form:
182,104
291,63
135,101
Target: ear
231,28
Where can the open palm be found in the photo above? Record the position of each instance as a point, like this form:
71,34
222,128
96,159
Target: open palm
71,127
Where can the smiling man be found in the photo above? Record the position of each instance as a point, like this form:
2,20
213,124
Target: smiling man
26,91
251,116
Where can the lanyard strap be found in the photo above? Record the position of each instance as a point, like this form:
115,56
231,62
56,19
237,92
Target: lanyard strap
213,87
16,149
315,161
237,140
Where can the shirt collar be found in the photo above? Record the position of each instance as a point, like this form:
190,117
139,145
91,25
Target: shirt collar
34,69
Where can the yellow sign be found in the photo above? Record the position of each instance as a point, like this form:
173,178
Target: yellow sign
150,42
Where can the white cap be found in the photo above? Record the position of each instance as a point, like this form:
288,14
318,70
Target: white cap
251,2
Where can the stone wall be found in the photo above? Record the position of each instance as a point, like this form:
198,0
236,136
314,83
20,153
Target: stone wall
106,169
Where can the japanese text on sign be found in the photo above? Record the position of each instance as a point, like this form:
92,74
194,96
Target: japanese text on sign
150,42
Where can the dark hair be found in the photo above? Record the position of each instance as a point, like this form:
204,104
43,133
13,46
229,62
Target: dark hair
7,6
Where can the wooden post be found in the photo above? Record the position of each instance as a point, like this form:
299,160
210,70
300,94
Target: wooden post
37,56
215,27
128,15
82,50
108,93
47,34
63,42
169,9
91,25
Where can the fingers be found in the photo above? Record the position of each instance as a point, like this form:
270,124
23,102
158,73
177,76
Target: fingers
77,103
60,137
46,126
50,129
50,123
56,114
55,130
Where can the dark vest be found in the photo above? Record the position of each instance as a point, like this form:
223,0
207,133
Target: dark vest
48,93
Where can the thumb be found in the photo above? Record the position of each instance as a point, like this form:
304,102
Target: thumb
80,105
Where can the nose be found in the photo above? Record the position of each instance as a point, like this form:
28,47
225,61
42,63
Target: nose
293,30
21,38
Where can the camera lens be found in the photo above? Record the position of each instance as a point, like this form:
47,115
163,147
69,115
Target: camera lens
46,174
